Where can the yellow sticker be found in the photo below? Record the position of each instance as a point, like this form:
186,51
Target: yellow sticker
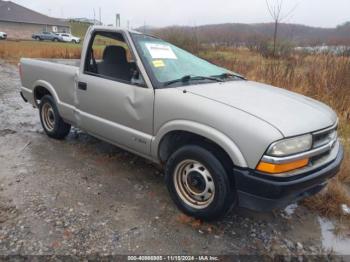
158,63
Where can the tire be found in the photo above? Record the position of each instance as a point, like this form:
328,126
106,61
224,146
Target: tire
37,38
51,121
197,165
55,40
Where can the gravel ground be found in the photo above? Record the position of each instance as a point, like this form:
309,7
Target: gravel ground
83,196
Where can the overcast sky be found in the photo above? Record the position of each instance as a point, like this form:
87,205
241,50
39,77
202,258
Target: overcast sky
322,13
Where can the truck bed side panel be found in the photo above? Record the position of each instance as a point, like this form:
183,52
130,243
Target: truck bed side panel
58,78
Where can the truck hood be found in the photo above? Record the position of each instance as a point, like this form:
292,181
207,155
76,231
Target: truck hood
292,114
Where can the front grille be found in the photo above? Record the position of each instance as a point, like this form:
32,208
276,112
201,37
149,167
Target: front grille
321,139
314,160
324,137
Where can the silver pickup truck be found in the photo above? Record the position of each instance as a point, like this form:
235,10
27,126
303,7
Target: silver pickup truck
223,141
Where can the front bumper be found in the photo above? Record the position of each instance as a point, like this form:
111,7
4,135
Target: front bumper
263,193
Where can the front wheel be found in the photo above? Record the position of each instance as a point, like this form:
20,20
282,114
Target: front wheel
53,124
198,183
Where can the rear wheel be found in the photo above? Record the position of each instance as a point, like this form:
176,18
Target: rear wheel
53,124
37,38
198,183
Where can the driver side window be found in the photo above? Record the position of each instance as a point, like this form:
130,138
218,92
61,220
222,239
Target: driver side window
109,57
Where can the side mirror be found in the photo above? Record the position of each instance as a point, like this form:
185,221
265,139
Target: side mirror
137,79
135,74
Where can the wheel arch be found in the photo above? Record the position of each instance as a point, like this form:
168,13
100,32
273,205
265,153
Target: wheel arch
41,88
179,132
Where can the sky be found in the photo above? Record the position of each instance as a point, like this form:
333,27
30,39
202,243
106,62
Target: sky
159,13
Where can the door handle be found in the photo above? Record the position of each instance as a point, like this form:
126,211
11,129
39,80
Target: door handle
82,86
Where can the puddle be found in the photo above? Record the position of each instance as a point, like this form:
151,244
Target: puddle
330,241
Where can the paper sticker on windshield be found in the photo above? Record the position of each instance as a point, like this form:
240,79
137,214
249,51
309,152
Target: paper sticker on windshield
158,63
159,51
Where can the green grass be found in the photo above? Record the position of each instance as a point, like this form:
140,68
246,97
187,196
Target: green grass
79,29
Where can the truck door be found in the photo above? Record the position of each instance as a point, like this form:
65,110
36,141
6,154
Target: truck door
112,101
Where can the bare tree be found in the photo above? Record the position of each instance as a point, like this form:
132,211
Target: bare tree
275,8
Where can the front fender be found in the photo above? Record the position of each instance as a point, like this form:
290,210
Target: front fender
203,130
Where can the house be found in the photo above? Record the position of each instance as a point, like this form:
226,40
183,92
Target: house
20,22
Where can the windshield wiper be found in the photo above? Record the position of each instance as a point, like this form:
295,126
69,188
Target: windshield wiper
188,78
229,75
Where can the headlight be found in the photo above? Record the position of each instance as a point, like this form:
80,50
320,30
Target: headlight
284,148
290,146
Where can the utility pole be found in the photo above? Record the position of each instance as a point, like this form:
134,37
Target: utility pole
100,15
117,20
94,17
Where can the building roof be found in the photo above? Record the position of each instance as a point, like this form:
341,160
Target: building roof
12,12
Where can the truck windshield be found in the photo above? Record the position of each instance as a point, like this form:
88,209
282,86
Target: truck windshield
169,66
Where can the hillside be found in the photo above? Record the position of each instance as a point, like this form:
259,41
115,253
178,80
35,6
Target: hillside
236,34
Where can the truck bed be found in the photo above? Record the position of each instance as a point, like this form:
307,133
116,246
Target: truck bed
69,62
56,75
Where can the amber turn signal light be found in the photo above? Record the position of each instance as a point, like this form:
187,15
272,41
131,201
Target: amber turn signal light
281,168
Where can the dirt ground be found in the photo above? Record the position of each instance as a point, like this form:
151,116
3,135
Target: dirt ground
82,196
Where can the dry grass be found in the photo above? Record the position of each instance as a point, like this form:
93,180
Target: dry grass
12,51
323,77
328,202
344,175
